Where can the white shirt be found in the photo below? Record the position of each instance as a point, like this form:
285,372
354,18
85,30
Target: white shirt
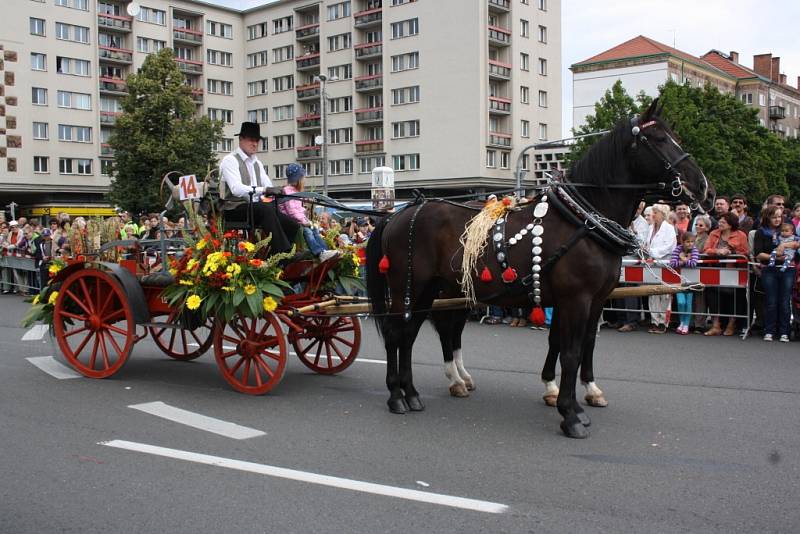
640,228
229,168
663,242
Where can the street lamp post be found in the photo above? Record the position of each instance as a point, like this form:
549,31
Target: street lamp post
323,79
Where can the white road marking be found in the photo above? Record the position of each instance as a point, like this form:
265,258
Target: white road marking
312,478
56,369
363,360
196,420
36,332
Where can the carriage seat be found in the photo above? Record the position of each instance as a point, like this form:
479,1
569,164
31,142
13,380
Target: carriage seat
298,271
158,279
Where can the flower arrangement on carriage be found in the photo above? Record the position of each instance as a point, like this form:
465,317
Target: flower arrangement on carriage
43,303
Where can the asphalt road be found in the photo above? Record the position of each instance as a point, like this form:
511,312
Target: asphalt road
701,435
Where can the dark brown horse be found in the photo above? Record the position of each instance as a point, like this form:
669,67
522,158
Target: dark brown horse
580,259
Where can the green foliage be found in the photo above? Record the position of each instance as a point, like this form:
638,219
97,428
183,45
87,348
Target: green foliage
724,136
159,131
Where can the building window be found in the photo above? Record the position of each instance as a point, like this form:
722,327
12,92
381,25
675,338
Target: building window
505,160
38,61
524,94
74,166
405,95
41,130
74,134
257,115
106,167
257,59
283,113
284,53
367,164
281,25
542,66
762,101
39,96
340,136
219,29
542,131
259,87
525,128
41,164
219,87
343,72
405,28
75,67
282,83
339,42
542,99
82,5
542,4
407,61
406,162
37,26
340,166
217,57
67,99
542,34
405,129
340,105
524,28
524,61
224,115
339,11
401,2
257,31
491,158
152,16
283,142
68,32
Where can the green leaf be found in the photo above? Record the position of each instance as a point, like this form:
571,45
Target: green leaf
238,296
254,303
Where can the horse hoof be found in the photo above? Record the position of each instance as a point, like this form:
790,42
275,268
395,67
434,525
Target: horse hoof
584,419
550,400
470,384
598,401
574,430
398,405
459,390
414,403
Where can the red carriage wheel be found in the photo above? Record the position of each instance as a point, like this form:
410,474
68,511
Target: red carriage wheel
183,344
251,353
93,323
327,345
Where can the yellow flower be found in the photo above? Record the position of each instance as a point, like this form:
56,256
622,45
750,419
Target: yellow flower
193,302
279,275
54,268
173,272
35,300
53,297
228,288
246,246
192,264
186,282
201,244
234,269
249,289
269,304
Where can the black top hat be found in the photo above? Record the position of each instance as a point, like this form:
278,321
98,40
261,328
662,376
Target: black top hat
250,130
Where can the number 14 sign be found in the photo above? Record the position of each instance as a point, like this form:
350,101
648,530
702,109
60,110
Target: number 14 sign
188,187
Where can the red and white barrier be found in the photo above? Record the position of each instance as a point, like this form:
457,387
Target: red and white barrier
717,273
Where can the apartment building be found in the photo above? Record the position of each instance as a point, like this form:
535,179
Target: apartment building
644,64
446,92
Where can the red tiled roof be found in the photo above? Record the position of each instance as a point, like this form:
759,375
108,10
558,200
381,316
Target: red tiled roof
723,63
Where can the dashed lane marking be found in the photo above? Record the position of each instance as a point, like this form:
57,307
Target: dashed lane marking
312,478
196,420
36,332
56,369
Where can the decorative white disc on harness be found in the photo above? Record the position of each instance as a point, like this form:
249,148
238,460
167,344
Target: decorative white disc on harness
538,230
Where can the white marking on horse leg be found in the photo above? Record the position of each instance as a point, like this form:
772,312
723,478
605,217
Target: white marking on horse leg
594,395
550,392
458,358
457,386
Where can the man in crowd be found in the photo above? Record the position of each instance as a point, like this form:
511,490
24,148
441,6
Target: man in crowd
739,207
245,176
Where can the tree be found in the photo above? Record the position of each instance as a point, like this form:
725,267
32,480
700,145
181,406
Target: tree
614,106
158,131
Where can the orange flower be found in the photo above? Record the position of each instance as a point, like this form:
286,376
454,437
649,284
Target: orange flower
256,262
226,254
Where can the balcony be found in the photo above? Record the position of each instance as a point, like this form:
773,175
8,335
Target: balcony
777,112
368,18
502,6
369,83
109,118
307,92
189,66
369,115
369,50
308,62
110,54
114,22
197,95
106,150
307,32
113,86
499,106
187,36
499,71
308,122
309,152
371,146
499,36
500,140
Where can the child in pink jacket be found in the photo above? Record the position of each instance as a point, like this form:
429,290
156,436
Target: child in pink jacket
293,208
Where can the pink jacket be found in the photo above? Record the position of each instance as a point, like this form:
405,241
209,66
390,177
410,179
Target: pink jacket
293,207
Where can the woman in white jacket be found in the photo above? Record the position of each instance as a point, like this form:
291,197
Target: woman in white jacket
661,241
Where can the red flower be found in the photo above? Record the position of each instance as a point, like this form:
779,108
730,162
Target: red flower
507,201
256,262
229,234
226,254
215,242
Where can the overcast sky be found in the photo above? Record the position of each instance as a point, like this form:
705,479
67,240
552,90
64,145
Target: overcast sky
694,26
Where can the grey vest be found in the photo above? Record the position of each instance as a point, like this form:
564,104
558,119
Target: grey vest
229,201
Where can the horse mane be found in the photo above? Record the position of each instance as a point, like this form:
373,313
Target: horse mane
600,163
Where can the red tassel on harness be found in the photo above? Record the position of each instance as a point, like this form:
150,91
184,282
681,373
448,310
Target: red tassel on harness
486,275
383,265
509,275
537,316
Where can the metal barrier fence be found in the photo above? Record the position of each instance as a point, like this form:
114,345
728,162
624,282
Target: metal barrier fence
726,294
18,272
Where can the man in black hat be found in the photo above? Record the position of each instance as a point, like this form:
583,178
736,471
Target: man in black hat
243,174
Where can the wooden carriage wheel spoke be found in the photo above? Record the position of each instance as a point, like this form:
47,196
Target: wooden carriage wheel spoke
274,355
103,349
336,350
308,348
87,296
114,342
319,352
184,341
238,364
328,351
231,339
93,357
77,301
230,353
194,335
70,315
78,331
262,364
116,329
113,317
105,304
171,338
246,372
343,340
84,342
257,371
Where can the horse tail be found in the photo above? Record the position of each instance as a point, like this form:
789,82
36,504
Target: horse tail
376,281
